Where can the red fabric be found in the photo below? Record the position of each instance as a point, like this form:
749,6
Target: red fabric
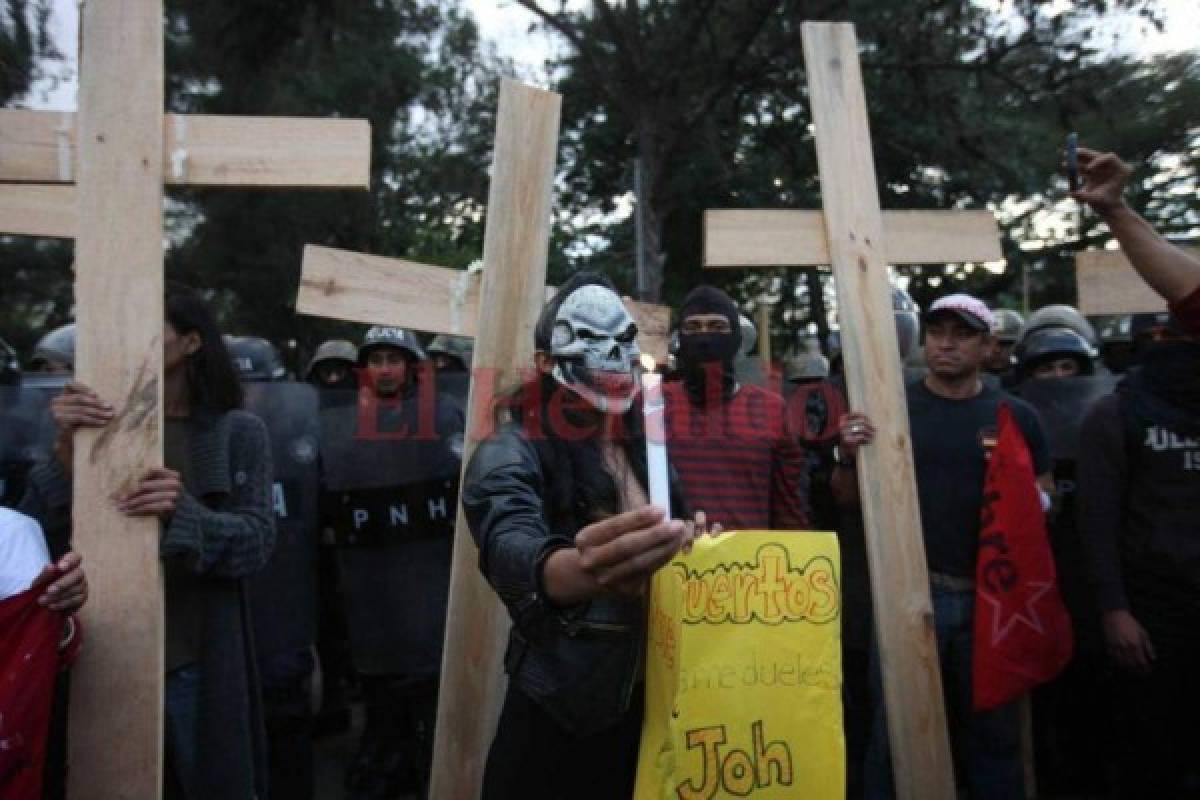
29,663
738,461
1023,634
1187,312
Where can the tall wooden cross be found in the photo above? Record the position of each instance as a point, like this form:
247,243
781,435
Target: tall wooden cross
859,241
500,314
98,176
1107,283
377,290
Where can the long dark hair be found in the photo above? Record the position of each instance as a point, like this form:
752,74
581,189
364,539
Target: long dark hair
213,384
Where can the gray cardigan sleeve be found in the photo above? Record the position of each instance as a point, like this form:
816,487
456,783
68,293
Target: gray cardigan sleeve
236,539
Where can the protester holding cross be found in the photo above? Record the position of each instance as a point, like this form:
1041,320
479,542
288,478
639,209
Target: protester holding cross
953,415
214,499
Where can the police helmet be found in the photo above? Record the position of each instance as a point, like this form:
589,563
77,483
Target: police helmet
1060,316
10,370
255,359
55,352
749,336
332,350
1006,325
457,347
807,367
387,336
908,321
1049,344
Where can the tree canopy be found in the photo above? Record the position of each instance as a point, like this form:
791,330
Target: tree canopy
969,104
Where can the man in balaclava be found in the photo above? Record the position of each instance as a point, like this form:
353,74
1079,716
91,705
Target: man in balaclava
731,444
1138,496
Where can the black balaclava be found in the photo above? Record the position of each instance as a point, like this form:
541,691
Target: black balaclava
708,354
1165,387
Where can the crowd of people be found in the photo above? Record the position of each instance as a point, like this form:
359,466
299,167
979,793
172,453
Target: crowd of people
348,491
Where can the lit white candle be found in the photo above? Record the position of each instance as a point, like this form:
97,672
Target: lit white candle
654,410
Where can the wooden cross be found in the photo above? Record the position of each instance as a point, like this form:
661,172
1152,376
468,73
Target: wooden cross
98,176
1108,284
500,313
376,290
859,241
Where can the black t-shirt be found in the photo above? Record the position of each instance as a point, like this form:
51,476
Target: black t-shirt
951,461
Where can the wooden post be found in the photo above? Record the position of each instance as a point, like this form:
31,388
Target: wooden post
899,576
1108,284
904,627
97,176
764,334
376,290
118,263
859,240
514,275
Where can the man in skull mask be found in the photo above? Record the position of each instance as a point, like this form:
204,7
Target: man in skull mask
736,454
556,499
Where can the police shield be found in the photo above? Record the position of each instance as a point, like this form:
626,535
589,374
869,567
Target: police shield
26,435
283,594
1063,403
390,493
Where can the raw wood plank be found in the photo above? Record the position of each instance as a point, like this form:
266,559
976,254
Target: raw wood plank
899,576
38,210
1108,284
514,254
747,238
204,150
342,284
37,146
117,686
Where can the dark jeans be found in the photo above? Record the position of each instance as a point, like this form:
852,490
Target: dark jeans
987,745
181,732
535,758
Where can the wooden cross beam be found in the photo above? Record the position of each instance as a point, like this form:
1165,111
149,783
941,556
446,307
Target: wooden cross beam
98,176
500,312
39,160
342,284
859,241
1108,284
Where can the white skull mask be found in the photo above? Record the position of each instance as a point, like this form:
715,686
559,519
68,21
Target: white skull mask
595,349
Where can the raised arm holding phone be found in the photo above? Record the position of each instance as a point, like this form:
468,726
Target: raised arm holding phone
1168,269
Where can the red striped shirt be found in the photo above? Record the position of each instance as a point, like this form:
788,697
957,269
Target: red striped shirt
738,461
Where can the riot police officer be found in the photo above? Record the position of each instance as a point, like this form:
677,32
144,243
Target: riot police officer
332,366
390,467
1056,372
450,353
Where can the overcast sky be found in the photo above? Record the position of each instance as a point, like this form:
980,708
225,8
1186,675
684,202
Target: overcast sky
507,24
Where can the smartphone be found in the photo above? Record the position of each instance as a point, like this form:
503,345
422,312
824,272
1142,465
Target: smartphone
1073,161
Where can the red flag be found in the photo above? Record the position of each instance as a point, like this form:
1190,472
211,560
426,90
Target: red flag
29,663
1022,630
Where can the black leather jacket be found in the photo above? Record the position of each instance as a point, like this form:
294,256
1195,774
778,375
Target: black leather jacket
580,664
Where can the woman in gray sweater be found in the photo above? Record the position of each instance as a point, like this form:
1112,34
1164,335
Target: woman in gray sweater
214,499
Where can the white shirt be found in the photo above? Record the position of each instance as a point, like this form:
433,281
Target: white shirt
23,552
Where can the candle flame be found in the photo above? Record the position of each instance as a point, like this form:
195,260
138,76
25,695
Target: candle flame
648,362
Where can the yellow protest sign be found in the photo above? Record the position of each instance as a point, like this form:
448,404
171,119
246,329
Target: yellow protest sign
744,671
